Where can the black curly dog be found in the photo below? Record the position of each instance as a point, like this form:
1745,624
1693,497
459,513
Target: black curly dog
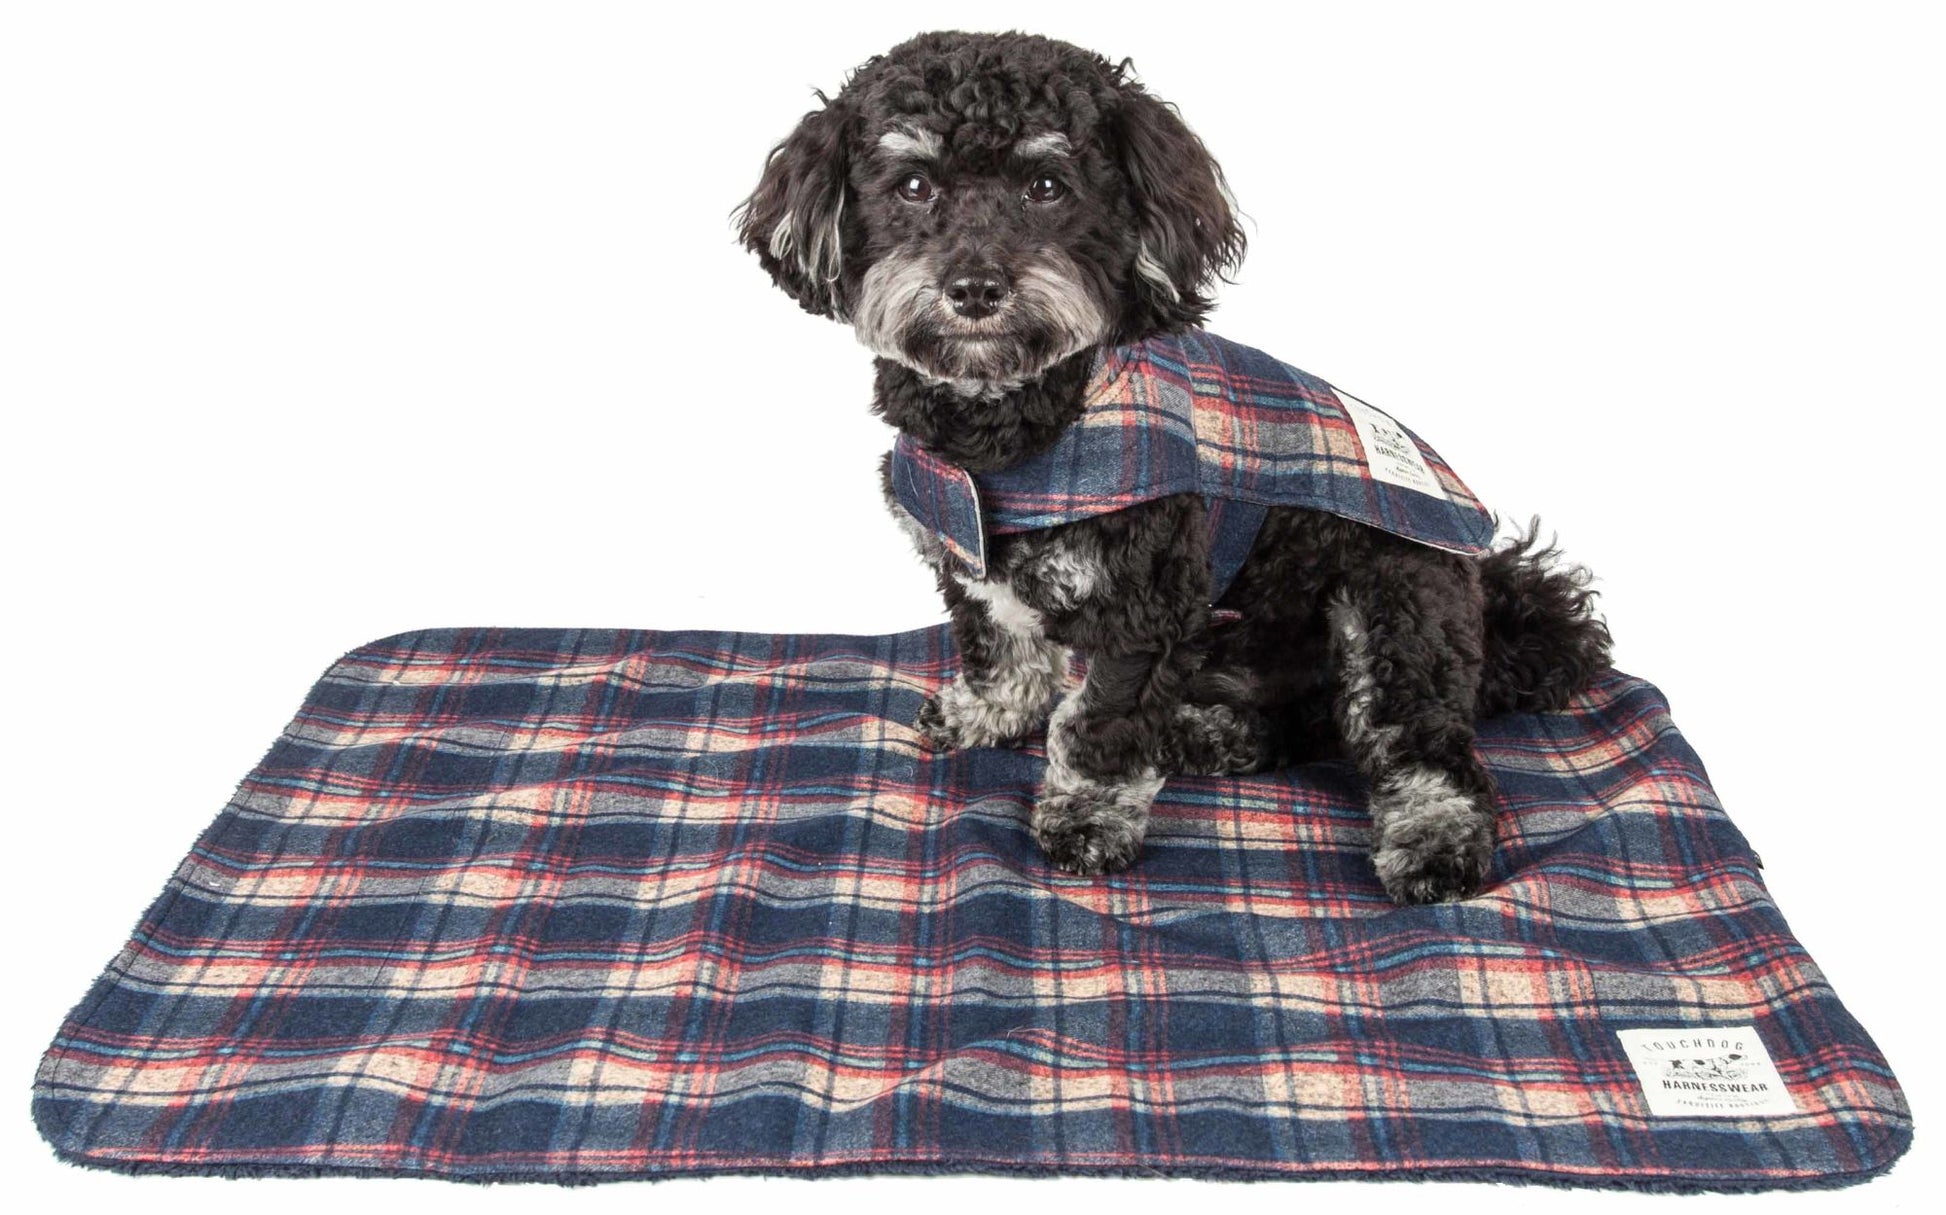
986,210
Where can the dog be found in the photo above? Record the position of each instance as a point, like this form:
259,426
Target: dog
999,218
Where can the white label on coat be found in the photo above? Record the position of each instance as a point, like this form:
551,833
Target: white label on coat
1389,451
1722,1072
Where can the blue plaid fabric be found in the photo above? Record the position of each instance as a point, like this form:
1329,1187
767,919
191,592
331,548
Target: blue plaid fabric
590,904
1192,412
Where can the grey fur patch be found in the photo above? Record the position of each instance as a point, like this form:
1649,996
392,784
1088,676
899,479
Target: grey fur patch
965,714
900,297
1234,685
1147,267
1093,827
1435,842
1066,572
1060,725
1006,701
1372,743
896,290
1050,287
1421,798
1051,143
972,389
1003,607
913,141
819,254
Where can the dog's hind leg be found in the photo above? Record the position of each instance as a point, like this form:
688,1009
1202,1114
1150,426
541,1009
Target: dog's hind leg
1009,670
1407,667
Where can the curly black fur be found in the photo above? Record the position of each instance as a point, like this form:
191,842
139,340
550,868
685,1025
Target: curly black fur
968,430
987,211
1544,642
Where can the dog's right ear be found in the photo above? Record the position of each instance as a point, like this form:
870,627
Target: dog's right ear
1186,220
794,220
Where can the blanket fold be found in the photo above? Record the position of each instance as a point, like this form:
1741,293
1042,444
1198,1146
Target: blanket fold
579,905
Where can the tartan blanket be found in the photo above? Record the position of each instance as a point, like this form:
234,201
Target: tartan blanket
580,905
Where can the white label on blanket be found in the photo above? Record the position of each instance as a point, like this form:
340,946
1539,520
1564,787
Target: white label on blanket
1721,1072
1389,451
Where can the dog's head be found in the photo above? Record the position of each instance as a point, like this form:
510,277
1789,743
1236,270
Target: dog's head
979,207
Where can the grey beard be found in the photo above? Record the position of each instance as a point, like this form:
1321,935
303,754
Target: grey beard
1049,315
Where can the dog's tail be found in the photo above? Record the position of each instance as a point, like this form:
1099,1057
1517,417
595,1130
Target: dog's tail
1544,642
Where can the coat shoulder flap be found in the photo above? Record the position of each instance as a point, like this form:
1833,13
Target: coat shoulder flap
1272,434
943,499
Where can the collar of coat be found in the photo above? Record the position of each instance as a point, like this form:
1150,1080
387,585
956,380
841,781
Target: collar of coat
1192,412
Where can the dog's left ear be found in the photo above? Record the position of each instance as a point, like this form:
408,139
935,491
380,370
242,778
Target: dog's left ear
1186,218
794,220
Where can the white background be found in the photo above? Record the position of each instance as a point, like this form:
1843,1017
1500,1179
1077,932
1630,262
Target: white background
322,322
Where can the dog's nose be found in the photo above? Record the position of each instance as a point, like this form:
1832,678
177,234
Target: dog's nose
977,293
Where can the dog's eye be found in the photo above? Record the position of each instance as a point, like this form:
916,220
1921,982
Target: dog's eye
1045,189
915,188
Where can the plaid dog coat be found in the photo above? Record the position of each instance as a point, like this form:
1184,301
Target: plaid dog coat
1192,412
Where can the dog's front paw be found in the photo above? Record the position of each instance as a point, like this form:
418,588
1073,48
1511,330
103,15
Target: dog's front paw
1434,858
939,733
1087,826
957,717
1086,833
